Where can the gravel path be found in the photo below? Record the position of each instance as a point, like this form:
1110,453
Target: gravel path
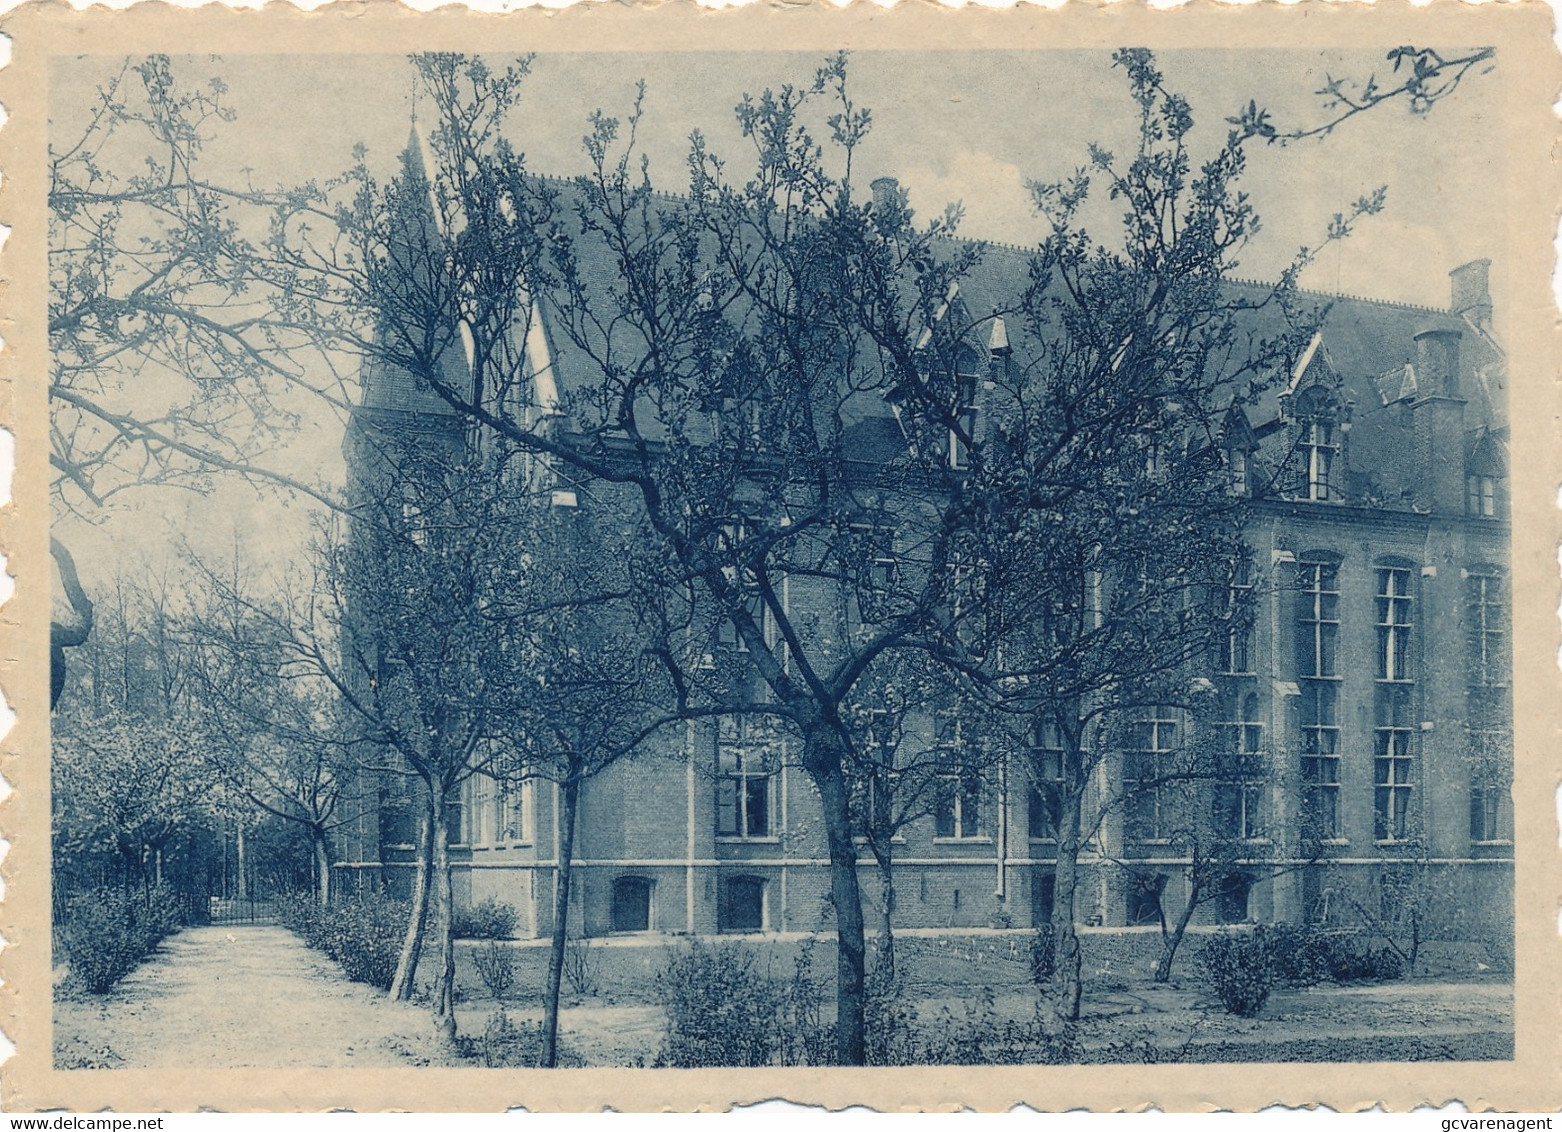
239,996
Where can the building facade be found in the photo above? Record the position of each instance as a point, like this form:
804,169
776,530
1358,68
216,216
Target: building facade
1366,703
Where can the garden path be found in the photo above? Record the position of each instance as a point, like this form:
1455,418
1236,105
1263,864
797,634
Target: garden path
238,996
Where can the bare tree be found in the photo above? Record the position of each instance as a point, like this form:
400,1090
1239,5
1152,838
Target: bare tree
1116,522
274,734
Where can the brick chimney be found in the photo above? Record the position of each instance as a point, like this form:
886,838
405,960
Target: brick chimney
887,194
1437,361
1471,293
1437,418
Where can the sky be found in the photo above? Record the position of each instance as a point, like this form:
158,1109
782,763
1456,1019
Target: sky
954,125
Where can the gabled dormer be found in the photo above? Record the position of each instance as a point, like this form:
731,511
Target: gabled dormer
1317,414
1238,442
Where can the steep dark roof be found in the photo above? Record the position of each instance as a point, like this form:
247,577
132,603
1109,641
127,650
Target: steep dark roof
1365,350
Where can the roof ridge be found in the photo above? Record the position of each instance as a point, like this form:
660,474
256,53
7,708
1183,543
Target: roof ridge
1025,249
1344,295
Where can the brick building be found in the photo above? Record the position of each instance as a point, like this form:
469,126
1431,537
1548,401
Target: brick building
1369,699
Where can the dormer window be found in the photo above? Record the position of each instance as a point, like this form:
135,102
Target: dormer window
1319,430
1319,447
1483,480
964,428
1236,466
1481,496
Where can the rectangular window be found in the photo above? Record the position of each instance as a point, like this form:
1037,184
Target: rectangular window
512,811
1319,448
729,637
1393,760
1239,793
1392,768
965,601
1487,620
745,768
1481,496
1046,792
733,550
873,786
868,555
1485,813
1236,654
958,813
1318,619
481,811
1394,624
1145,773
1320,760
412,523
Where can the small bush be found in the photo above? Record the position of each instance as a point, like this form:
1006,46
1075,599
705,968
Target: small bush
802,1037
720,1010
1241,970
495,965
489,919
1299,954
505,1045
581,968
1348,958
1305,956
1043,956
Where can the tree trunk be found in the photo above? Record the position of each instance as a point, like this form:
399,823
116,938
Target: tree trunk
884,973
822,759
412,944
445,987
322,867
1171,940
1067,981
550,1007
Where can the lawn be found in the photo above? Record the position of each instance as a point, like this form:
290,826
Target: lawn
973,984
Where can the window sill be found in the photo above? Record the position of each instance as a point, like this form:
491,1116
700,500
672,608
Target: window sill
1494,843
1393,842
1043,840
1244,672
734,839
1395,683
979,839
489,845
